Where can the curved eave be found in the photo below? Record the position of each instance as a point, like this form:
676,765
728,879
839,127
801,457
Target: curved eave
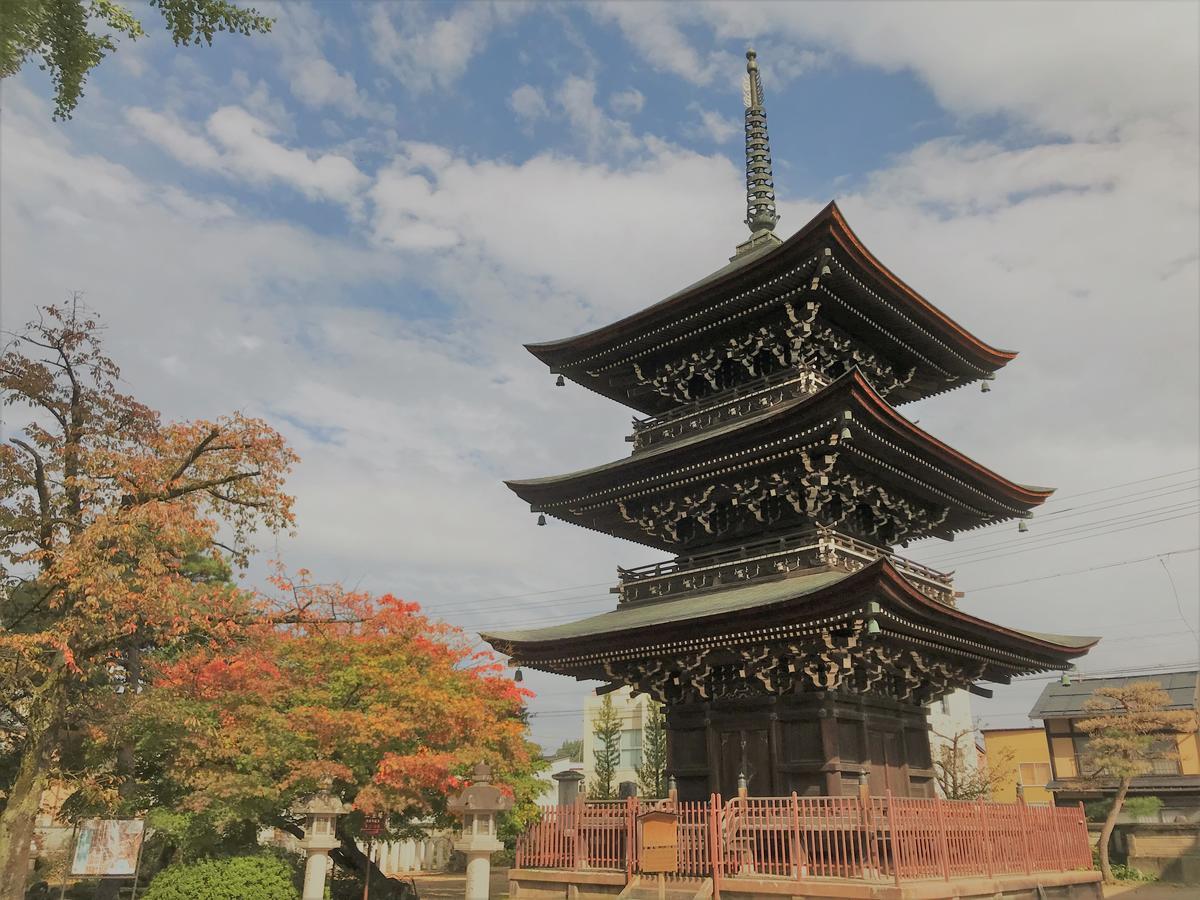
836,591
856,394
562,353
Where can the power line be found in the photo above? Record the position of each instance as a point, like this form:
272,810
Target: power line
1124,562
1071,529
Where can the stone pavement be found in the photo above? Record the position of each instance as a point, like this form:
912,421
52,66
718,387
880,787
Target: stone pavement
454,887
1154,890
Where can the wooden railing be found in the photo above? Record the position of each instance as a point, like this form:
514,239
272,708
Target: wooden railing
866,839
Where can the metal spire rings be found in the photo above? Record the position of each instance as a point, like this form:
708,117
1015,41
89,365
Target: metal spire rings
760,183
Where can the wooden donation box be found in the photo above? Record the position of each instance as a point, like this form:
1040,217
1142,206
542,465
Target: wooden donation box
660,841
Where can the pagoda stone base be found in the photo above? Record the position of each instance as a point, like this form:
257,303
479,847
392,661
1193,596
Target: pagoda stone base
819,743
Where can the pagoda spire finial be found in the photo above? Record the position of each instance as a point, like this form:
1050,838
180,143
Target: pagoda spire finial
760,182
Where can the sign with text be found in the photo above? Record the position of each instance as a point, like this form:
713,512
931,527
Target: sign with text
659,851
372,826
108,848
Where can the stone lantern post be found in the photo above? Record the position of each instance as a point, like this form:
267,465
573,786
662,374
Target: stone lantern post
478,805
320,813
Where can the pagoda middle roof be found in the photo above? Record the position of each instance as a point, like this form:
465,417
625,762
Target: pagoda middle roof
635,629
882,441
919,330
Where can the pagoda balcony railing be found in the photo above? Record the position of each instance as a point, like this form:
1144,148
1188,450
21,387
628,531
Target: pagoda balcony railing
776,557
737,402
877,840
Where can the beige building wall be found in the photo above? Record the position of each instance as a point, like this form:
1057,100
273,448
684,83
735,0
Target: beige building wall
633,713
950,716
1030,765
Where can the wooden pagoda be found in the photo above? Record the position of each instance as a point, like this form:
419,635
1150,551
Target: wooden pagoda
793,649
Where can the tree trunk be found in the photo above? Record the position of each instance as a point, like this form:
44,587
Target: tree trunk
1107,830
110,888
20,813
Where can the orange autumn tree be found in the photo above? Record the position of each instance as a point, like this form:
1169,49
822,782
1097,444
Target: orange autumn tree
102,506
390,706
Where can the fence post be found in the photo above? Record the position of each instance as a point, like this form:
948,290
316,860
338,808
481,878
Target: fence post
1059,842
798,864
987,838
1085,848
891,817
714,842
630,836
943,840
580,858
1023,822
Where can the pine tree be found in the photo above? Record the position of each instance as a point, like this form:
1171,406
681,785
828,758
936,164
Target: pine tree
1125,738
607,731
652,773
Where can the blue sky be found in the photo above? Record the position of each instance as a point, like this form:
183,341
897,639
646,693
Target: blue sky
351,225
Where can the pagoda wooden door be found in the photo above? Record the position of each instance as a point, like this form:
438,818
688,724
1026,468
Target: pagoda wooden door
886,764
748,751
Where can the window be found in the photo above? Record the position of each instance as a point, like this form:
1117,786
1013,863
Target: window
631,748
1034,774
1168,763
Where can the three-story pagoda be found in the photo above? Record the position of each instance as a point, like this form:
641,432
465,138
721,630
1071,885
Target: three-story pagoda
790,645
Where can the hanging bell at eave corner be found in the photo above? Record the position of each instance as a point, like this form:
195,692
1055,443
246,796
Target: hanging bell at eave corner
1022,526
541,519
560,381
1065,681
518,676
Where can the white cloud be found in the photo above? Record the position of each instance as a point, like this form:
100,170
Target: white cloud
313,79
653,29
1082,69
715,126
528,103
590,125
627,103
425,52
166,131
243,149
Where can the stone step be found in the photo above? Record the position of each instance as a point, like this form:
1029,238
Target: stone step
676,889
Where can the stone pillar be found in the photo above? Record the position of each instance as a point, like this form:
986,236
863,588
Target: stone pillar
320,813
477,806
568,786
315,868
479,873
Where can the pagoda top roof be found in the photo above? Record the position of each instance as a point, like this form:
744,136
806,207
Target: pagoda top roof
882,440
634,629
920,329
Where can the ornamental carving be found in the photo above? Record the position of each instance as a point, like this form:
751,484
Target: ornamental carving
827,661
813,491
794,340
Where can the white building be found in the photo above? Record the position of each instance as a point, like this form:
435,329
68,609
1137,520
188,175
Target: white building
633,713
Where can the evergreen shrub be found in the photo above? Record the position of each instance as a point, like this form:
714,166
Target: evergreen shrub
259,877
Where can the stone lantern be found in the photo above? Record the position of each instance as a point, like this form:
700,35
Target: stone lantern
478,805
320,813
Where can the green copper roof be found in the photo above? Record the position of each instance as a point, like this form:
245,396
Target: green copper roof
643,614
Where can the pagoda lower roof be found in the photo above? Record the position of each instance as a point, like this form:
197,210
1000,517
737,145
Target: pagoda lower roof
889,313
885,445
783,609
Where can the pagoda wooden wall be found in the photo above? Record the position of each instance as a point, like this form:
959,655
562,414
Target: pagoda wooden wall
813,744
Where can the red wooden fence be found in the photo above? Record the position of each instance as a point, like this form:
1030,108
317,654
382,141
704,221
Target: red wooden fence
879,838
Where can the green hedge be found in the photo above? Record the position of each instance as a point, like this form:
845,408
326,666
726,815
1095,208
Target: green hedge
262,877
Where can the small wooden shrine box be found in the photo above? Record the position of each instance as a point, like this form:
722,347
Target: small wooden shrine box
660,841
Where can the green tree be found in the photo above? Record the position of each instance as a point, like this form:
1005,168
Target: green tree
1132,728
572,750
72,37
652,773
607,732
